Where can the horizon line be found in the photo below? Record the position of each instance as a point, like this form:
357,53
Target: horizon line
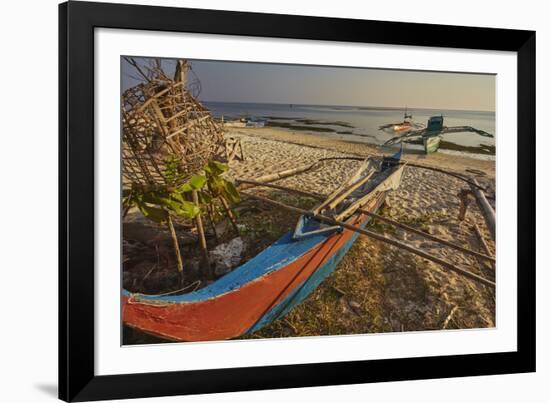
352,106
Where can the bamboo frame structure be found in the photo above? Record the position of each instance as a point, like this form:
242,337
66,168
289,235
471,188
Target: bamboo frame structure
167,136
233,149
161,119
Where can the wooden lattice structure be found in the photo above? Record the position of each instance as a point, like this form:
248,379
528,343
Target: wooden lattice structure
233,150
164,125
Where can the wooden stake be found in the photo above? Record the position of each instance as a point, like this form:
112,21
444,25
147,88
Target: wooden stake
226,146
200,230
232,153
463,195
180,74
230,214
175,243
378,237
482,239
242,150
211,221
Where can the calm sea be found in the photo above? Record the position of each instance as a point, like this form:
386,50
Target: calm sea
357,123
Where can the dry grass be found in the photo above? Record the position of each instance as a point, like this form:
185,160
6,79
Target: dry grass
377,288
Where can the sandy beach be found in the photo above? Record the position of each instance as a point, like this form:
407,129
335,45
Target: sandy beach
192,225
378,287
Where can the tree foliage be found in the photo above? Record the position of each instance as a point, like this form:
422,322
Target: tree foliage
156,204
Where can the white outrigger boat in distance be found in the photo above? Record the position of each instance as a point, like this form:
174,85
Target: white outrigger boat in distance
431,135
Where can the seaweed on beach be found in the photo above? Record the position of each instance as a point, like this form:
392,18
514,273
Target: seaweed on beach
299,127
322,122
361,135
277,118
484,149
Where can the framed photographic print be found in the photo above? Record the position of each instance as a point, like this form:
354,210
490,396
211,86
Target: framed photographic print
257,201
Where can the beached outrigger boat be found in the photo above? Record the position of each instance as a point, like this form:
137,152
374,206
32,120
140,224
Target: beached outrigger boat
246,122
268,286
431,135
401,127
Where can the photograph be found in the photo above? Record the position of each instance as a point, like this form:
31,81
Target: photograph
269,200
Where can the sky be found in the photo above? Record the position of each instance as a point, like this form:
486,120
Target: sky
318,85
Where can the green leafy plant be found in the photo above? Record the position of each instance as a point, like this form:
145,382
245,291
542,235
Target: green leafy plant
218,186
160,204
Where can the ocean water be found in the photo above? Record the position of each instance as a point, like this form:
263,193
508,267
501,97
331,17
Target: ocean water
360,124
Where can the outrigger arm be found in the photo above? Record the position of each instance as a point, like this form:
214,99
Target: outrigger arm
418,134
378,237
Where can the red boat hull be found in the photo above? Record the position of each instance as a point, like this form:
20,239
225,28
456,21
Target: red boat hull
232,314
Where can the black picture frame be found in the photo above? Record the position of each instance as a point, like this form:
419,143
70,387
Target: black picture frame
77,379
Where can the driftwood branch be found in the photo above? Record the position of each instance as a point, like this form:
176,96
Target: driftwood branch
464,197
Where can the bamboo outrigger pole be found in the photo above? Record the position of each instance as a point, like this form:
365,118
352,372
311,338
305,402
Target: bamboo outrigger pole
307,167
486,208
470,182
285,173
377,216
202,237
294,171
429,236
256,183
378,237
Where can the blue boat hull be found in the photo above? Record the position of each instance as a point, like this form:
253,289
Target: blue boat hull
311,284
